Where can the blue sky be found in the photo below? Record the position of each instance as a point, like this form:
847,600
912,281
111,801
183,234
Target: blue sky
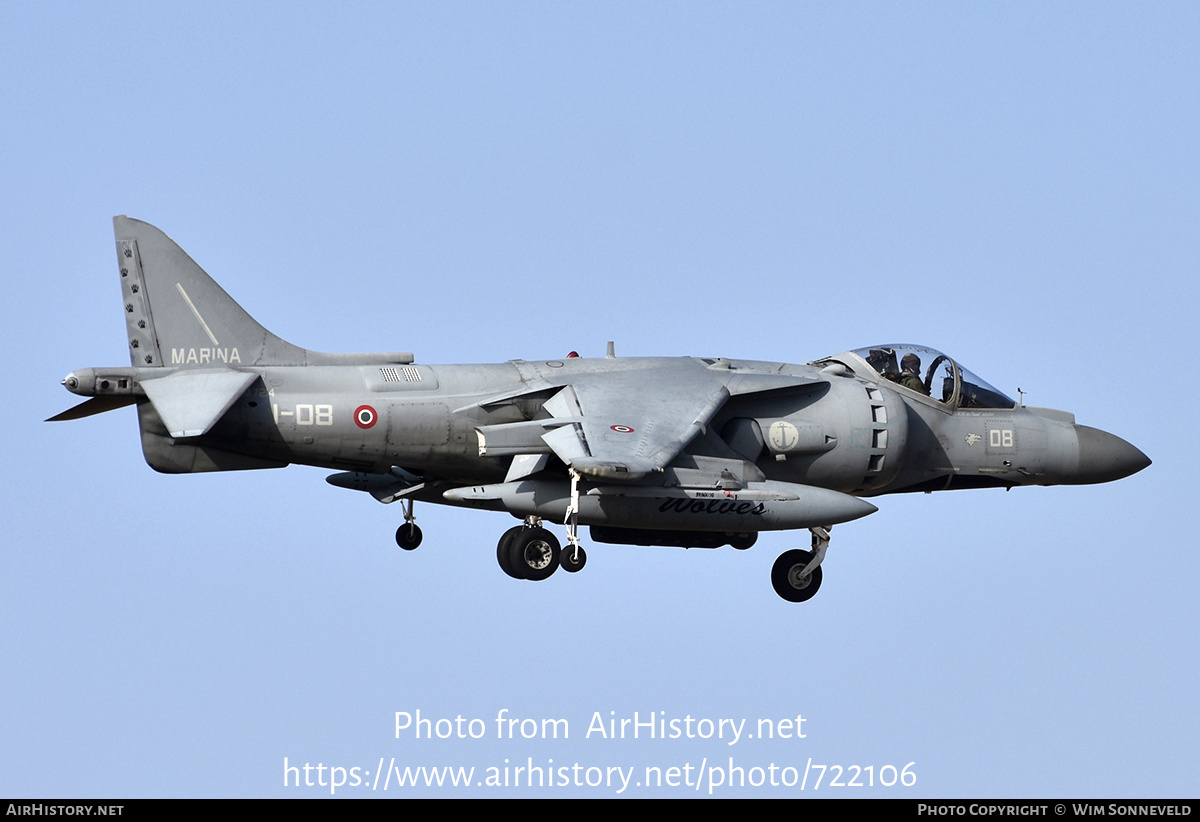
1013,184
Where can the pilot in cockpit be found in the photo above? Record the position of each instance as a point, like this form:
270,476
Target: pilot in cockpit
910,374
883,360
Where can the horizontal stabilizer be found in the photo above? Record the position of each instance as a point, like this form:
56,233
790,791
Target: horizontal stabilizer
96,405
191,402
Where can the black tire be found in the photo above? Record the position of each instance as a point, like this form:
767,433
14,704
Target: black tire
502,551
570,562
786,579
408,536
533,553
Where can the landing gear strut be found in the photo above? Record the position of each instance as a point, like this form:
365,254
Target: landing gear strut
573,556
408,535
796,575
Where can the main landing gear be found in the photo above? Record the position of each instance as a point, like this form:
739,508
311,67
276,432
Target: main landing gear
527,551
532,552
796,575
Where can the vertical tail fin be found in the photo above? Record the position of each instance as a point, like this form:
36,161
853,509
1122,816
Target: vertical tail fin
177,316
195,351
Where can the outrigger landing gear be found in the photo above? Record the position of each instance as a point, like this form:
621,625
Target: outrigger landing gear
528,551
408,535
573,557
796,575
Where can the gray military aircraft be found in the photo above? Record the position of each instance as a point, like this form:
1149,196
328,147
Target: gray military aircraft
684,451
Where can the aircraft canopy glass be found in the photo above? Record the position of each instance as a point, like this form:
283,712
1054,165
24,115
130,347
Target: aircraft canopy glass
932,373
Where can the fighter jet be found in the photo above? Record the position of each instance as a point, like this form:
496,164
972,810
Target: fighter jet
675,451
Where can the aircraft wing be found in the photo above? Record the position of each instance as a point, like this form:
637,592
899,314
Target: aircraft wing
622,425
626,434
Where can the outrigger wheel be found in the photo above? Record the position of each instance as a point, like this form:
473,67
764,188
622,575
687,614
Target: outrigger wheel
572,558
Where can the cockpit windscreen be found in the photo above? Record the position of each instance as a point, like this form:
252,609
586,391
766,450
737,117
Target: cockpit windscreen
932,373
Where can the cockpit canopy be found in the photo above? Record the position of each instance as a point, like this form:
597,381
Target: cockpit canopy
925,371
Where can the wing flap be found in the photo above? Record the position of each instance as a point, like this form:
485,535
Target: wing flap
513,438
568,443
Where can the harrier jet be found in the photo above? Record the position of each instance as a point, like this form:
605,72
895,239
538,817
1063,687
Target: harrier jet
681,451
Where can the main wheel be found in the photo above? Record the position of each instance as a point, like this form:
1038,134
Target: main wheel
533,553
408,536
787,578
572,559
503,553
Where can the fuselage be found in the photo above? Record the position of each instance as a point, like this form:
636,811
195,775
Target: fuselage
856,434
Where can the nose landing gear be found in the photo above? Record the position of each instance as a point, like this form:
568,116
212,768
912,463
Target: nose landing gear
796,575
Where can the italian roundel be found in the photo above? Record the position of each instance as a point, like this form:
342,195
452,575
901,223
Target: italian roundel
365,416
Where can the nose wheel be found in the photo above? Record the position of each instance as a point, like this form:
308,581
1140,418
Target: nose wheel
796,575
790,580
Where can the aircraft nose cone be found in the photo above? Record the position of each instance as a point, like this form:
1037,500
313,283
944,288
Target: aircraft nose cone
1104,457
